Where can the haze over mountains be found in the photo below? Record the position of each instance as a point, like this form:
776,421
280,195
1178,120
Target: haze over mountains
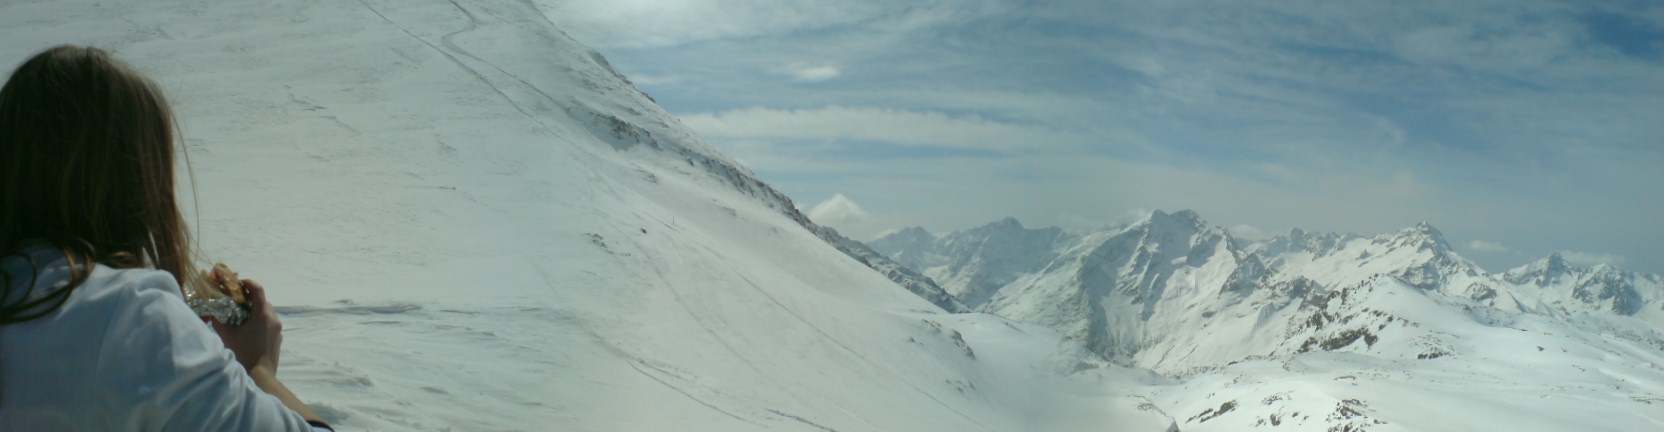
1400,319
1140,293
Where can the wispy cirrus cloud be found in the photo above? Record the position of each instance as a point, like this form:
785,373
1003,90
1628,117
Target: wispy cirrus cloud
1486,246
634,24
1589,259
1360,117
898,127
810,73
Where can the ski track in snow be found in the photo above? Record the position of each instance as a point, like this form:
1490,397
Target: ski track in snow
738,355
473,23
638,364
701,320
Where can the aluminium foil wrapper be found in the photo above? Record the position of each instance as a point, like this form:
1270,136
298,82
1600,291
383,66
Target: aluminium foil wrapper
221,309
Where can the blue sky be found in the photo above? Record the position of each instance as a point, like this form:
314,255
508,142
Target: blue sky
1518,128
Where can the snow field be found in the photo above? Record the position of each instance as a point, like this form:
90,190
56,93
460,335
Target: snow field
472,223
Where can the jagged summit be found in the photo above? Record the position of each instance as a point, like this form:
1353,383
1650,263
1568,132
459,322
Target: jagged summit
1422,235
909,239
1540,272
1548,270
1173,294
913,232
1125,290
1298,240
1183,218
1557,284
1555,263
976,260
1008,223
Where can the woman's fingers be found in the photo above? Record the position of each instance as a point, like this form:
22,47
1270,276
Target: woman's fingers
259,306
256,293
258,341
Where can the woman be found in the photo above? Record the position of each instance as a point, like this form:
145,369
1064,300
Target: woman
94,331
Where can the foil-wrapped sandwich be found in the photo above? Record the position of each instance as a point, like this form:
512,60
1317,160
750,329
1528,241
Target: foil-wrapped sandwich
230,308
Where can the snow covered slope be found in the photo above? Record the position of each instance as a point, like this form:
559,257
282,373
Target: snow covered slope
476,224
1324,331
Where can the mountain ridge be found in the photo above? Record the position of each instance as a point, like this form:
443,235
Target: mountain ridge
1123,290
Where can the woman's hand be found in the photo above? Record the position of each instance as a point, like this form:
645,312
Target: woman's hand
259,340
257,343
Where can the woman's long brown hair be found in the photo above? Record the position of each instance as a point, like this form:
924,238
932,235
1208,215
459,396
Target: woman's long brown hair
86,164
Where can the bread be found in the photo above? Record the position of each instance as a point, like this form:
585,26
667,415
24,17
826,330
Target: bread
227,281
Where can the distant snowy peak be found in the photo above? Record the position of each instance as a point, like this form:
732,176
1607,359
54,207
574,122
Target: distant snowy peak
1294,241
1602,288
911,247
1418,255
1434,264
972,264
1182,219
1423,237
1003,227
1009,223
1181,238
1142,292
1542,272
1125,290
907,237
908,278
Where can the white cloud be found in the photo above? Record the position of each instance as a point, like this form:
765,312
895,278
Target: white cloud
1586,259
889,125
645,23
1360,118
838,211
664,23
807,73
1248,232
1485,246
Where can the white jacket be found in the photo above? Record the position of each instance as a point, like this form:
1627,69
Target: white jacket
123,353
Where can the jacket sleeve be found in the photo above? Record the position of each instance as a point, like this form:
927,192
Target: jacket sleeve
163,369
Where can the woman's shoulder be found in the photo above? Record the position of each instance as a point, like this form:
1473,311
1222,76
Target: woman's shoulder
53,361
134,281
39,270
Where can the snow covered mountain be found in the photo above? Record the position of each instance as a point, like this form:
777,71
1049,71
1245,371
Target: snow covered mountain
1178,296
473,222
975,262
1551,283
1114,282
